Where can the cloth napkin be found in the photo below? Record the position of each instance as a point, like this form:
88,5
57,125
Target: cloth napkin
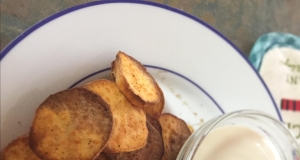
276,56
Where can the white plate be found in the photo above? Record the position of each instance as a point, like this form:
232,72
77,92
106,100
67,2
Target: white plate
200,72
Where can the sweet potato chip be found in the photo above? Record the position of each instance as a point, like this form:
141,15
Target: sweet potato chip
175,132
153,150
130,131
137,85
72,124
155,110
19,149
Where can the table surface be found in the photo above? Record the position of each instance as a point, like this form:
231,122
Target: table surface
240,21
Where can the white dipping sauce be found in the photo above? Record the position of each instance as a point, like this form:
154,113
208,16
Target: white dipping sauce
235,143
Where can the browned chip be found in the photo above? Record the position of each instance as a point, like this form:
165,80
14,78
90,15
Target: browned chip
155,123
155,110
72,124
175,132
18,149
102,156
130,131
137,85
153,150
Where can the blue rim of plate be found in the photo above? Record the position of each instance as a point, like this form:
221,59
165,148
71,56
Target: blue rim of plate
89,4
160,68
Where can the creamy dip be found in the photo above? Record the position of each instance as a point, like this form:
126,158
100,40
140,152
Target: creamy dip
235,143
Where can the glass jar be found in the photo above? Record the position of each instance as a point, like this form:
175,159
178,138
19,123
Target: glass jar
282,140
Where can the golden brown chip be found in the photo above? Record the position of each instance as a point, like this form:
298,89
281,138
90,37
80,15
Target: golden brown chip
153,150
19,149
130,131
155,110
72,124
141,86
137,85
175,132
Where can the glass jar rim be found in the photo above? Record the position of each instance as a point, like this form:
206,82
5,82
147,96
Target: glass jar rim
195,140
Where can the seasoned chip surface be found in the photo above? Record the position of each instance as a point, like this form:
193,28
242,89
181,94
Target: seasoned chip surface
130,131
155,110
72,124
139,80
18,149
137,85
175,132
153,150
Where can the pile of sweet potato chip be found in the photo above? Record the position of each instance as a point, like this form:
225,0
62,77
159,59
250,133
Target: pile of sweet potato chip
118,119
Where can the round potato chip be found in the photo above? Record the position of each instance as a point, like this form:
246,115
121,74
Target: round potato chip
130,131
155,110
153,150
18,149
140,84
175,132
137,85
72,124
